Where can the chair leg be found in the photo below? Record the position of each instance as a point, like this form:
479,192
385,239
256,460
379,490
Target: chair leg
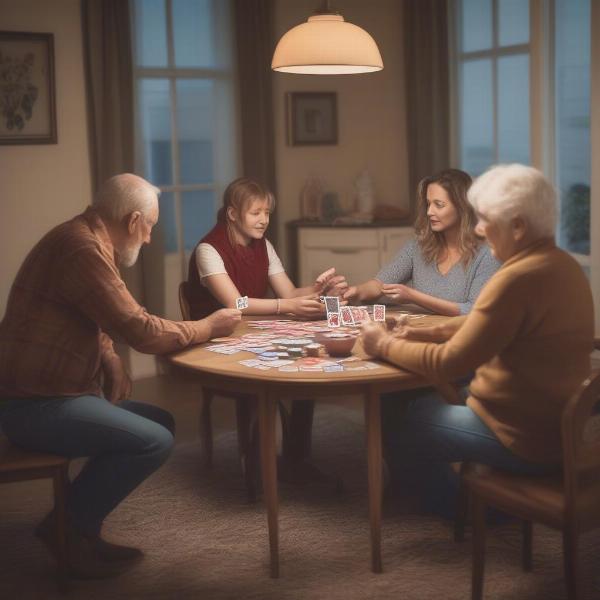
60,502
570,535
478,516
462,507
206,427
527,548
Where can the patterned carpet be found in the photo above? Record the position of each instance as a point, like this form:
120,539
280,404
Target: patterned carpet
204,541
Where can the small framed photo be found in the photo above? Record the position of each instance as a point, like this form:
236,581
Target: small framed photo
311,118
27,96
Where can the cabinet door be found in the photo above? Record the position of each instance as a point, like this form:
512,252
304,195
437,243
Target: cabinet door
354,252
357,264
391,239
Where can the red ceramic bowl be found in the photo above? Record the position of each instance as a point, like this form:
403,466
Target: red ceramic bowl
338,344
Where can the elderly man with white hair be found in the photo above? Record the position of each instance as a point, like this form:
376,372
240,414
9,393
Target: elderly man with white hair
64,390
528,339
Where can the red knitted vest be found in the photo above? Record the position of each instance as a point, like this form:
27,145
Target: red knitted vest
247,266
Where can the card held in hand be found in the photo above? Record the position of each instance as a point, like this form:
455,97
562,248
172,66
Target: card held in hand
332,304
379,312
241,303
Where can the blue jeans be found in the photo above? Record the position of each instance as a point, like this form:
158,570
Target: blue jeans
125,444
422,434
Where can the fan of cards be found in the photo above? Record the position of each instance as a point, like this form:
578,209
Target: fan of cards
350,315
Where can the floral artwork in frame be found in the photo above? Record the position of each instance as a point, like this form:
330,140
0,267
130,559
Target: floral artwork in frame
27,95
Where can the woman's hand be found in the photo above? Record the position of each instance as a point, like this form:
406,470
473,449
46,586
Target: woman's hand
335,286
375,338
223,321
351,294
303,306
397,292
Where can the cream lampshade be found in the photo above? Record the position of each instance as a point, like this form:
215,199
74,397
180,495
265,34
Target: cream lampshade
326,45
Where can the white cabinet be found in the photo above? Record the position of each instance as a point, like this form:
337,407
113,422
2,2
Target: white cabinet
356,252
391,239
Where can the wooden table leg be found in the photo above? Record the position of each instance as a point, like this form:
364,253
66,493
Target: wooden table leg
206,427
374,463
267,413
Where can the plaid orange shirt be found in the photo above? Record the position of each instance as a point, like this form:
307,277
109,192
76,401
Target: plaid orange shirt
65,302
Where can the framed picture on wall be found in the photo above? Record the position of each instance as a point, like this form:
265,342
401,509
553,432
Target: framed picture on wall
27,96
311,118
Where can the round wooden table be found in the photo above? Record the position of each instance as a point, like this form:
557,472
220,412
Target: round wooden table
225,374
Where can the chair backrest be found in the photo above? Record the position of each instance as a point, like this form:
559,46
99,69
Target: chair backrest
581,434
184,304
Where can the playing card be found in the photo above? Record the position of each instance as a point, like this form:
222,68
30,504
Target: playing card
379,312
241,303
333,320
346,316
333,368
360,314
332,304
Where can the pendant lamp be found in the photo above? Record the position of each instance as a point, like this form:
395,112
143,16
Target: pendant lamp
326,45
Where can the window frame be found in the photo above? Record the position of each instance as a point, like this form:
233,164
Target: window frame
173,74
542,120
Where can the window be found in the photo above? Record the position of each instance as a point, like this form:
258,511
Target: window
493,82
572,122
492,91
185,122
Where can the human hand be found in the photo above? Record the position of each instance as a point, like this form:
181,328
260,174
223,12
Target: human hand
117,383
374,338
351,294
223,321
304,306
322,280
336,286
396,292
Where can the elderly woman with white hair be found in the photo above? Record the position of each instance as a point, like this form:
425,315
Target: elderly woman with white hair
528,338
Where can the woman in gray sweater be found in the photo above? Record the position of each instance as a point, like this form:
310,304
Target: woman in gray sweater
444,268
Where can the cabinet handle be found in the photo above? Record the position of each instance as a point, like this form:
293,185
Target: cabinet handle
344,250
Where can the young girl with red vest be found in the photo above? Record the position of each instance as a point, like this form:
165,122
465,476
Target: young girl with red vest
235,259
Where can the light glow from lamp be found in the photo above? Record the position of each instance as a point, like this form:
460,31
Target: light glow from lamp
326,45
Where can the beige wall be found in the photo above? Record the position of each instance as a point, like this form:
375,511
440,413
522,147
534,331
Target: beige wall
43,185
371,115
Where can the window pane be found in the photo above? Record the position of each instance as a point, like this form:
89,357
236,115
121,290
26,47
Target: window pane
513,22
572,80
155,120
195,121
476,24
198,215
165,232
513,108
193,23
476,116
150,33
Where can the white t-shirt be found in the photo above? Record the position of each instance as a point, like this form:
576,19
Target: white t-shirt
209,261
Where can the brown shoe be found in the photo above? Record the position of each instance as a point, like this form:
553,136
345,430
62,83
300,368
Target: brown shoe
110,552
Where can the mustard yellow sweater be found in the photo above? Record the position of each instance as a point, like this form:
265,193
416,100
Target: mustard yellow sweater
529,337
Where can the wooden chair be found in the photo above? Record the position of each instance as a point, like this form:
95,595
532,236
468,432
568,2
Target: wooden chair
246,421
21,465
569,501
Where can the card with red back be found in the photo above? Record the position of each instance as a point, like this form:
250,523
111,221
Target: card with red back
346,316
333,320
379,312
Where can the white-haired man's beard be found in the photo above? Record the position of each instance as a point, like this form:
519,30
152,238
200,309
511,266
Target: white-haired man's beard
130,255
